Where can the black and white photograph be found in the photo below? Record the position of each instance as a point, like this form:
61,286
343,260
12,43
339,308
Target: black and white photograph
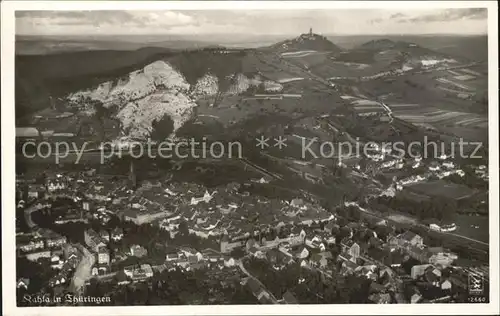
235,157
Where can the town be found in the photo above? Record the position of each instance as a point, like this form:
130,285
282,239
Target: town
83,233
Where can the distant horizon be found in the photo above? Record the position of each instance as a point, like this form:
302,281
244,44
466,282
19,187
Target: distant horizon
284,22
252,35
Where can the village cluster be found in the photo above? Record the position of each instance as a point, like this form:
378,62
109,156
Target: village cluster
235,224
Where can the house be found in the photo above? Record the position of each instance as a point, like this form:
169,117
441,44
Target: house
139,273
411,238
350,247
27,244
172,256
318,260
55,186
446,285
58,280
435,227
86,205
103,255
104,235
36,191
34,256
189,251
302,253
448,164
229,262
140,217
434,166
207,197
53,239
117,234
257,253
56,262
297,203
69,250
416,298
432,275
23,283
93,240
138,251
438,256
418,270
227,245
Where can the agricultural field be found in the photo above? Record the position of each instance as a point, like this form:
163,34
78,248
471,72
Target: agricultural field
416,114
366,107
441,188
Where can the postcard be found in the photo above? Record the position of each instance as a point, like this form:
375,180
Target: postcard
249,157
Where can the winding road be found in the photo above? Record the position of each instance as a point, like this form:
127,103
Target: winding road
242,267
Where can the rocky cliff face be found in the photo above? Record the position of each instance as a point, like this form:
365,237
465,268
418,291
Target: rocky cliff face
141,97
147,95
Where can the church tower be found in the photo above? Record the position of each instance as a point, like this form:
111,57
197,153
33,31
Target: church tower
310,31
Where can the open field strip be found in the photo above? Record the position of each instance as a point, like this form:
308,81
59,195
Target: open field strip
455,91
403,105
302,54
454,73
469,120
286,80
471,72
297,52
424,125
371,108
411,118
464,77
474,122
459,85
347,97
365,103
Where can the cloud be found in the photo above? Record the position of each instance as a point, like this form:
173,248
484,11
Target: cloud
376,21
450,15
255,22
136,19
398,15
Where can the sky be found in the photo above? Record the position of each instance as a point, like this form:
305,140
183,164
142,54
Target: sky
253,22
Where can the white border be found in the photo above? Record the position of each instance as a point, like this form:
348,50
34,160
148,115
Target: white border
8,170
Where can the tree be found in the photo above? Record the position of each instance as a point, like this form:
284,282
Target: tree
162,128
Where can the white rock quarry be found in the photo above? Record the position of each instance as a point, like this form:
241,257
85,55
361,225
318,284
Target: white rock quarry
242,83
142,97
137,117
206,85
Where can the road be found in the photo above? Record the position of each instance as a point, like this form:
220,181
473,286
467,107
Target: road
33,208
242,267
417,224
83,272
